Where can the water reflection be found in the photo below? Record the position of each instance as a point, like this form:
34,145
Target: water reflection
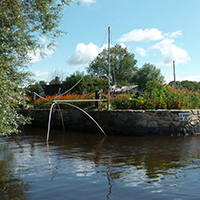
11,186
75,165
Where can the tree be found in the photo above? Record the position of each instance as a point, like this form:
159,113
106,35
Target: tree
190,85
42,82
178,85
34,88
73,80
147,73
56,80
57,73
88,84
22,24
122,64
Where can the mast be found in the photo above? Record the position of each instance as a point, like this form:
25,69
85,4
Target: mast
108,107
174,75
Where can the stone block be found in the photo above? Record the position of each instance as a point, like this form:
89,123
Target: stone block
163,123
152,124
194,122
147,116
155,118
194,117
122,117
142,123
195,112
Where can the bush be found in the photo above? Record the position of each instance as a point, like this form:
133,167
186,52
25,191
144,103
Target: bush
156,96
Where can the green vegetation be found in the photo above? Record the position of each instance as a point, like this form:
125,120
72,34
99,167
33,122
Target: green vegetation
34,88
147,73
156,96
88,84
190,85
22,25
122,64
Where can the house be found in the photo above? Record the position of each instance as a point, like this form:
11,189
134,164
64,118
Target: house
52,89
124,89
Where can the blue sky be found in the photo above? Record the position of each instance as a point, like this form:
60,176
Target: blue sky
156,31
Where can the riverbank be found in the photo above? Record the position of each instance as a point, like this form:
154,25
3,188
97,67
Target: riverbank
122,122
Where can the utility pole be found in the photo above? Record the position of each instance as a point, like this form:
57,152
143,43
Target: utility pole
108,68
174,74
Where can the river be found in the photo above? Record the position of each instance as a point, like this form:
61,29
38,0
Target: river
86,166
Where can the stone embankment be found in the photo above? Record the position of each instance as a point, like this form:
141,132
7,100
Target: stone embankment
123,122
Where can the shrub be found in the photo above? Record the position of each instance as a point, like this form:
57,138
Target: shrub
156,96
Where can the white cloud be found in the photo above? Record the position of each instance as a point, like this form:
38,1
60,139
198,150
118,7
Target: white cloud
188,77
88,1
170,77
122,45
141,51
142,35
39,74
170,52
40,54
83,55
175,34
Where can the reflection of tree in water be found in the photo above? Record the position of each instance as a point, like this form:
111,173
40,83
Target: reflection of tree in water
11,187
155,156
132,160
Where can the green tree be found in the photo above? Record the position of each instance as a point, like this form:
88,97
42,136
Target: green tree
42,82
34,88
22,24
72,80
178,85
190,85
147,73
122,64
87,84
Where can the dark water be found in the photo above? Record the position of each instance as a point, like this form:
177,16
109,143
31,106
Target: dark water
91,167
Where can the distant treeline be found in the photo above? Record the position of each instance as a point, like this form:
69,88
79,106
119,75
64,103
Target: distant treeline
190,85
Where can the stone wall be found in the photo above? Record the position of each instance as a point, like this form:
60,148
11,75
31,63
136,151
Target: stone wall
123,122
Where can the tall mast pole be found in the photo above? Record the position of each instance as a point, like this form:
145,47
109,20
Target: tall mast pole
108,68
174,75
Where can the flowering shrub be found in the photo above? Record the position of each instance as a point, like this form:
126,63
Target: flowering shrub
47,100
159,96
156,96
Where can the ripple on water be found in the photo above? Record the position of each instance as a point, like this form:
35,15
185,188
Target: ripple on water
78,166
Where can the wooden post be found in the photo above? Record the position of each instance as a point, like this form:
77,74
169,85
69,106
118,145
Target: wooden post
33,97
97,96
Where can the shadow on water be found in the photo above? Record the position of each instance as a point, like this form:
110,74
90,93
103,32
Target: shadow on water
11,186
98,164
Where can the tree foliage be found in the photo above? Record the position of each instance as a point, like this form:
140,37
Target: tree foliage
122,64
88,84
71,80
190,85
22,24
34,88
147,73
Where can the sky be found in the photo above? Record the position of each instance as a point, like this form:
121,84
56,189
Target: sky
155,31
